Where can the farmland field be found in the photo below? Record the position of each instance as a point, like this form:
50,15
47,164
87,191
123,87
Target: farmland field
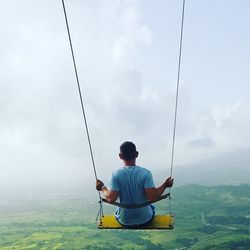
206,218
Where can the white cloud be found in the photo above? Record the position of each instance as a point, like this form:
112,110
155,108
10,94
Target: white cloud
41,123
201,143
221,114
41,126
131,35
223,129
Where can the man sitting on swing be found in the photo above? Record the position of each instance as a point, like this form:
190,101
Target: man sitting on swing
133,185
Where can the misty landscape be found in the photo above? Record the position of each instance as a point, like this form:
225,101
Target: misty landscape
127,54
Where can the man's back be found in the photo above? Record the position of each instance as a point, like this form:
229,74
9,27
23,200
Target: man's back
130,182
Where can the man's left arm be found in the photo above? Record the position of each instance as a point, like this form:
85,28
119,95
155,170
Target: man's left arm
110,195
153,193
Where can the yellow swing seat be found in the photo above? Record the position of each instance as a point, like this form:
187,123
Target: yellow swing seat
159,222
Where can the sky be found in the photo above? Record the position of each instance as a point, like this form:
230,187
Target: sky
127,55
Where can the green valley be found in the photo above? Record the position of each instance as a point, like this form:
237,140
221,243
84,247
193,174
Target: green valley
206,218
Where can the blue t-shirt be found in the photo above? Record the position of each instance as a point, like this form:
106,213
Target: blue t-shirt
130,182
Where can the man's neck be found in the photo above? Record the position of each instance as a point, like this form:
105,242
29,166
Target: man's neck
129,163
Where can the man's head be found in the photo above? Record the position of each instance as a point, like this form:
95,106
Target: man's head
128,151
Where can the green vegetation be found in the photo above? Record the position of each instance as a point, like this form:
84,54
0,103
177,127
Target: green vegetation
206,218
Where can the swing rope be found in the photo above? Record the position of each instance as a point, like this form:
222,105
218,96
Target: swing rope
177,97
100,213
177,87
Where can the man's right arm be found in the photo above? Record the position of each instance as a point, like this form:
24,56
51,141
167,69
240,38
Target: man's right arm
153,194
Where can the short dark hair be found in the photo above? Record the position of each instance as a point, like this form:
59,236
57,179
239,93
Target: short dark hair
128,150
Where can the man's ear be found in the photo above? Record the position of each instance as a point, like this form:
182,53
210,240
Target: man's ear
136,154
121,156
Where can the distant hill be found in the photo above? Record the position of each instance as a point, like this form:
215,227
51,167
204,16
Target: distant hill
226,169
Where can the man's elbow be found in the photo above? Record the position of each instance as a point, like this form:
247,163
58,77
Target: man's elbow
153,197
152,194
111,200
